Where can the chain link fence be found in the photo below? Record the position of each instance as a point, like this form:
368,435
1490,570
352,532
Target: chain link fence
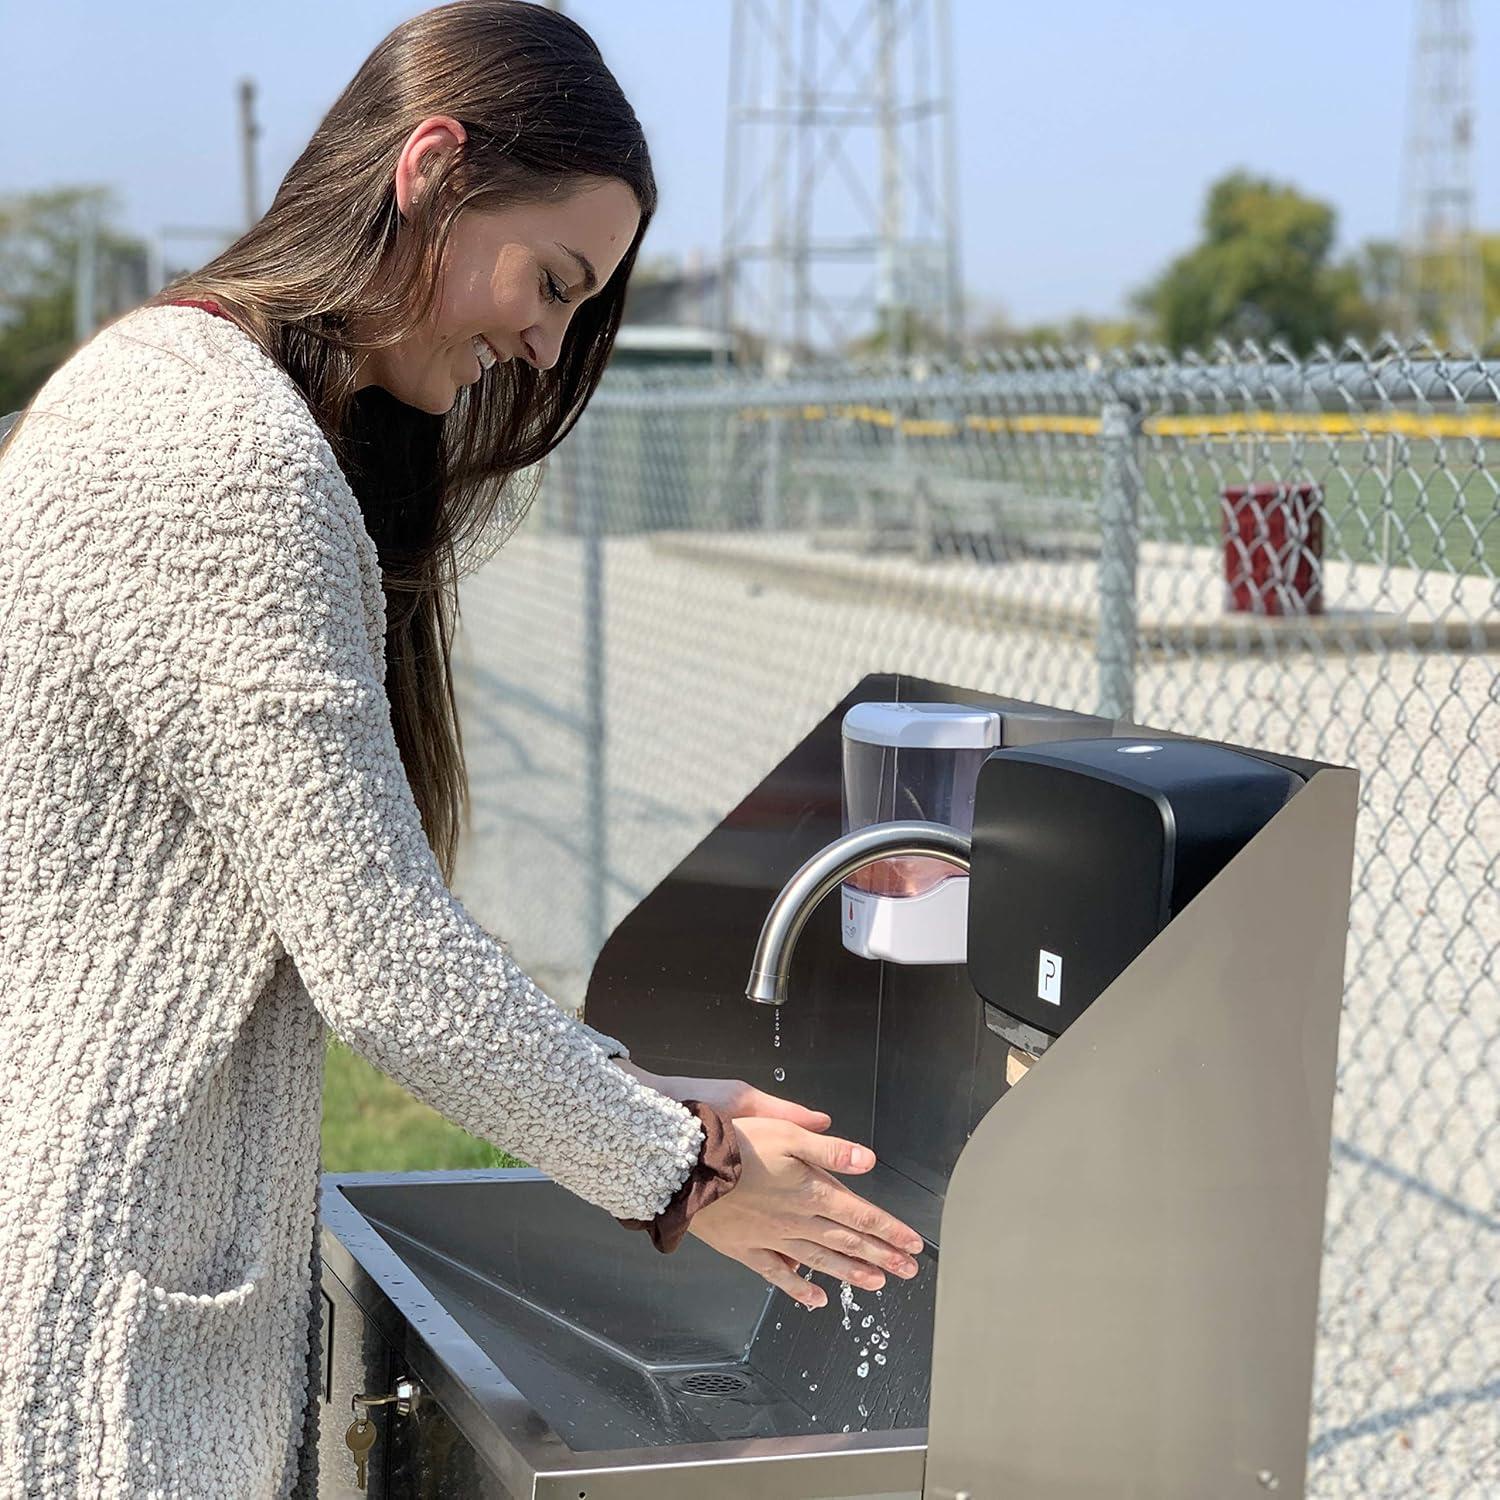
1295,555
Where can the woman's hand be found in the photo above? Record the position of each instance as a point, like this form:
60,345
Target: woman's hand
732,1097
787,1210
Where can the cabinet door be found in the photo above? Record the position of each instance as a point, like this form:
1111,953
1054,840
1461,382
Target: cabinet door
357,1358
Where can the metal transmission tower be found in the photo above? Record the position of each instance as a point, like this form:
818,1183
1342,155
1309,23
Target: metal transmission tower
1441,286
840,205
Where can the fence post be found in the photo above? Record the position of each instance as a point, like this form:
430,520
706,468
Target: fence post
771,479
1119,536
589,474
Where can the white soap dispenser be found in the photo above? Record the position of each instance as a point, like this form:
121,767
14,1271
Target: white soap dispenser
905,761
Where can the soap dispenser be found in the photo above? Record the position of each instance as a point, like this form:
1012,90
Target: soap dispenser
911,761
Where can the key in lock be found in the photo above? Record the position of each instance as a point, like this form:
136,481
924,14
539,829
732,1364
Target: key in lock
361,1434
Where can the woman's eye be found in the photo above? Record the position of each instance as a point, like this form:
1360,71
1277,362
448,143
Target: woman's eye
555,291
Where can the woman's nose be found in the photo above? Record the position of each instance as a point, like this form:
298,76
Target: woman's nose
542,348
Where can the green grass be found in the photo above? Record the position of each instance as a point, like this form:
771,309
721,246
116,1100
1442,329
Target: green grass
371,1124
1433,506
1418,504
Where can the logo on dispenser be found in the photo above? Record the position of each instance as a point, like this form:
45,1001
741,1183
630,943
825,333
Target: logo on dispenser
1049,977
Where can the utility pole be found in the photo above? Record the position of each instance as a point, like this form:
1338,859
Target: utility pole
249,131
85,279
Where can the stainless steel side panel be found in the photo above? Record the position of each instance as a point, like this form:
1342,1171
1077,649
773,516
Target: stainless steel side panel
1132,1236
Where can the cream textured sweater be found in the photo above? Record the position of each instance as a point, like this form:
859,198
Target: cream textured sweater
208,850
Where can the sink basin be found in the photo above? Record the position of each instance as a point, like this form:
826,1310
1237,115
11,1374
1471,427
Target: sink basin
585,1351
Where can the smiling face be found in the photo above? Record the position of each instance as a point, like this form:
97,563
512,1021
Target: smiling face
513,277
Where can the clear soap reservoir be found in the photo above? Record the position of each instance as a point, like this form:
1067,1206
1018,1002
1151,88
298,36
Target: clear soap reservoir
907,761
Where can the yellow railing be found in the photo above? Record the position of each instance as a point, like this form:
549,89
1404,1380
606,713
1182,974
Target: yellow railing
1218,427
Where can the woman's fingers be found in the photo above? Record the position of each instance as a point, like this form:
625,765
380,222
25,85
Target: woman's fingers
777,1269
862,1247
771,1107
788,1211
834,1154
785,1109
844,1267
836,1202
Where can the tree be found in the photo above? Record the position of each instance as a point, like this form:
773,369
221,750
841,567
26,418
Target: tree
40,235
1077,332
1377,269
1262,271
1378,266
1489,260
920,334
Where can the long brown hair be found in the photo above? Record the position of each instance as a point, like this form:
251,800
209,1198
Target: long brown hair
323,278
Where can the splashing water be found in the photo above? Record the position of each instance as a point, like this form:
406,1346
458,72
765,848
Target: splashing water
846,1301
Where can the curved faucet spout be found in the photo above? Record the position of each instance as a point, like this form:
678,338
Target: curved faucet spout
828,868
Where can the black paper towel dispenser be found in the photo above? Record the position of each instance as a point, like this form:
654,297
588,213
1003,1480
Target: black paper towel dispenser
1084,850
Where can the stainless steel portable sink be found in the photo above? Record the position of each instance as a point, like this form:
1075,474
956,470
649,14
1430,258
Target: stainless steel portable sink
1119,1290
576,1359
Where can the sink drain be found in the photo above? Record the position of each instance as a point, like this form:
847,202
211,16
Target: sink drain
712,1383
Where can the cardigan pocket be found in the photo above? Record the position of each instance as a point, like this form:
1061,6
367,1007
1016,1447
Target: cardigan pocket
190,1414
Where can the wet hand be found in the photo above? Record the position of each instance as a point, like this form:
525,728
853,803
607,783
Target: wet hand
788,1210
732,1097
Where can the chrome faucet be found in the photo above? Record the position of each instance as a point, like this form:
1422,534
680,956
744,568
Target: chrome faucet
828,868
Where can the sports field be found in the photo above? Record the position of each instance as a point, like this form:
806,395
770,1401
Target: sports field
1398,489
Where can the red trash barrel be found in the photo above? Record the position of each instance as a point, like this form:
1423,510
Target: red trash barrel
1273,549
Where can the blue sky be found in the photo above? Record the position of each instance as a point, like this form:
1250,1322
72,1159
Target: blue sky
1087,132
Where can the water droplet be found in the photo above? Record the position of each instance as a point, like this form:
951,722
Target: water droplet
846,1300
862,1371
813,1386
779,1074
880,1359
865,1321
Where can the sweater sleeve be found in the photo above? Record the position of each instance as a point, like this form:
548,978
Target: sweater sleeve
213,559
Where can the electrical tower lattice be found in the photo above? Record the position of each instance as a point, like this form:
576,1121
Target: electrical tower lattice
1442,291
840,212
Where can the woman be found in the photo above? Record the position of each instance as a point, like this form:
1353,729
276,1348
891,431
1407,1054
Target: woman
232,774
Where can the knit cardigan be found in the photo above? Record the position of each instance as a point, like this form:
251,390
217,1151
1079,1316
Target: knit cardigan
209,851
